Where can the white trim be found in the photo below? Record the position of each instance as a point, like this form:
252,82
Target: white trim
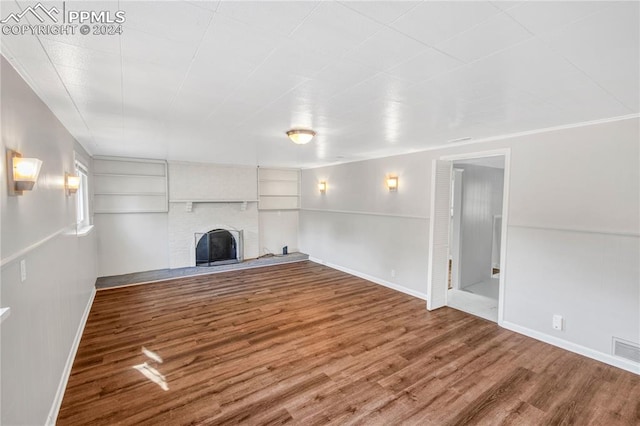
432,302
397,287
131,159
504,233
288,169
238,166
580,231
79,164
84,231
404,216
57,401
474,155
506,152
446,145
12,258
573,347
542,130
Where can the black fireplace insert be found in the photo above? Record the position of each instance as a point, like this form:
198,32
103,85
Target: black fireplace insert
217,247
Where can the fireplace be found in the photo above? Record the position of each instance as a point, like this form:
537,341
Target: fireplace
219,247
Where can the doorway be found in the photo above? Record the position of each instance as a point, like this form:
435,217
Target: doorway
468,233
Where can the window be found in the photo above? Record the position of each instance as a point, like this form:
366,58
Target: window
82,197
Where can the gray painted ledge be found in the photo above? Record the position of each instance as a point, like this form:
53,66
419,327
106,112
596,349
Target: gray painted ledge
168,274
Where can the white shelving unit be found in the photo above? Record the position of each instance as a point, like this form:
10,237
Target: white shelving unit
123,185
278,189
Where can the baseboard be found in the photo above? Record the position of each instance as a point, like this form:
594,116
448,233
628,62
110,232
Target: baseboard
57,402
555,341
371,278
573,347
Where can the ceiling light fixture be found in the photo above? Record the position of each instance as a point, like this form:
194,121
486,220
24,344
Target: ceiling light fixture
301,136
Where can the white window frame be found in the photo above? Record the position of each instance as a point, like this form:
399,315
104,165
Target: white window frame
83,220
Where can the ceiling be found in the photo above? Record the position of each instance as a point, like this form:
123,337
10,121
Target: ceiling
223,81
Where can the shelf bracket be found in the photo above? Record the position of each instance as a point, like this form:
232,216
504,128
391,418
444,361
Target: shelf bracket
243,206
189,206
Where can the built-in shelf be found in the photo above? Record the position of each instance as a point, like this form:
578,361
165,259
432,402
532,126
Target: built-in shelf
156,194
124,185
122,211
278,189
213,201
128,175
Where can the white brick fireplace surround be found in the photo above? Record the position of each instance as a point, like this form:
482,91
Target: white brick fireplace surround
204,197
206,217
201,198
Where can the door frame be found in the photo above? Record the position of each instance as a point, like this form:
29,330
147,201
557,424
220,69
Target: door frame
506,152
455,225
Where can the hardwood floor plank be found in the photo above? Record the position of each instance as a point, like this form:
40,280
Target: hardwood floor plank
494,398
305,344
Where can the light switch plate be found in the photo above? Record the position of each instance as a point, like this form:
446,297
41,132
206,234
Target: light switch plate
558,322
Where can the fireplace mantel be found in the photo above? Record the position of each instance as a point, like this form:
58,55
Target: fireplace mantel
189,203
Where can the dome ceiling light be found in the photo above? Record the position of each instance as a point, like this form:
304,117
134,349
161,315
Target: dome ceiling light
301,136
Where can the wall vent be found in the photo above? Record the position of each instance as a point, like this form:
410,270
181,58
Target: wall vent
626,350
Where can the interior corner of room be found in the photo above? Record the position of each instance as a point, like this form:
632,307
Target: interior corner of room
497,176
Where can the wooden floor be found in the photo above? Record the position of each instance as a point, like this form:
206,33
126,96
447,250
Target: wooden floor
305,344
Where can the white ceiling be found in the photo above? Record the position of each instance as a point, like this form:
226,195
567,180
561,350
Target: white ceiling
223,81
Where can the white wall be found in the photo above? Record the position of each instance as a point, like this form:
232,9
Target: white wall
387,249
278,228
132,242
573,245
359,225
39,227
361,187
575,190
589,278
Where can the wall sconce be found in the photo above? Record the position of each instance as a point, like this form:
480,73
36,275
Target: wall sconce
322,186
22,173
392,183
71,183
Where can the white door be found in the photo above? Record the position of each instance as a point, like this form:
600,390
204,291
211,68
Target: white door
439,234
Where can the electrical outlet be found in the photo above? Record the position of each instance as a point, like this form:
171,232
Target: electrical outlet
23,270
393,273
558,322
